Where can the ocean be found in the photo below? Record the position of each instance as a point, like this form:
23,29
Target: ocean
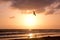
11,34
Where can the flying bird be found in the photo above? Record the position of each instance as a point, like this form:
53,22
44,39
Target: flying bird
34,13
12,17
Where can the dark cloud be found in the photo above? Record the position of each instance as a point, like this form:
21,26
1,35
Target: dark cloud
31,4
58,7
5,0
37,5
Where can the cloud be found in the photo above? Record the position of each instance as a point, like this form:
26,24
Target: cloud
4,1
12,17
31,4
40,6
52,8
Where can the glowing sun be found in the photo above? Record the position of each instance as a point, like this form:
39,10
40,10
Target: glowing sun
29,20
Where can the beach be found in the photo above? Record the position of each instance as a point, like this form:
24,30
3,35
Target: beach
34,34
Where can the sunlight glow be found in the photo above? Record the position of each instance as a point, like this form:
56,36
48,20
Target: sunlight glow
30,20
30,35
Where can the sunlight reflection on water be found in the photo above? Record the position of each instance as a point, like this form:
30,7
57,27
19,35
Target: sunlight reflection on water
28,36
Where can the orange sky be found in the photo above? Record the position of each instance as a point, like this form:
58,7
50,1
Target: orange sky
12,18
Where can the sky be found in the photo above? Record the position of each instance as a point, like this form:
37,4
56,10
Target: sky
18,14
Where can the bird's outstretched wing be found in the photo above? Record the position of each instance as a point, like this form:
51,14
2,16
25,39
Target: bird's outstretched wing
34,13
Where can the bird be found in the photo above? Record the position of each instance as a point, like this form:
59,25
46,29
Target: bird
34,13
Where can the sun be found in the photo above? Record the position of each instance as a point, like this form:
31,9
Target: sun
30,20
26,21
